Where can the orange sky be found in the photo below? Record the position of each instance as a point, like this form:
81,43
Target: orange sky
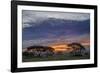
60,46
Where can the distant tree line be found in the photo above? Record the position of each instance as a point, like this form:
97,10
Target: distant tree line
44,51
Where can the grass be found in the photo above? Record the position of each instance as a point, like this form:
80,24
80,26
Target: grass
31,58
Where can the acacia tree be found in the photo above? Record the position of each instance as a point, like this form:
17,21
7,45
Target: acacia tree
41,50
78,49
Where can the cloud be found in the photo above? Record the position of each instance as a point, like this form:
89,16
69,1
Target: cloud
31,16
62,39
26,25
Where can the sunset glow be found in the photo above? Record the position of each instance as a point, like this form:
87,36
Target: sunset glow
61,48
55,35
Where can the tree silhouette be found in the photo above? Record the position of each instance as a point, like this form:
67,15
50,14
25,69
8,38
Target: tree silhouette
78,49
41,50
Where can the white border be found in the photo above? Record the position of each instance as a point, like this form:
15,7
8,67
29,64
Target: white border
53,63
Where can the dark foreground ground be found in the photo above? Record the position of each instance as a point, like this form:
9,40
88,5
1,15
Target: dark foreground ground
30,58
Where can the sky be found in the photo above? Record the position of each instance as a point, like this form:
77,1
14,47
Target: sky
47,28
30,16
